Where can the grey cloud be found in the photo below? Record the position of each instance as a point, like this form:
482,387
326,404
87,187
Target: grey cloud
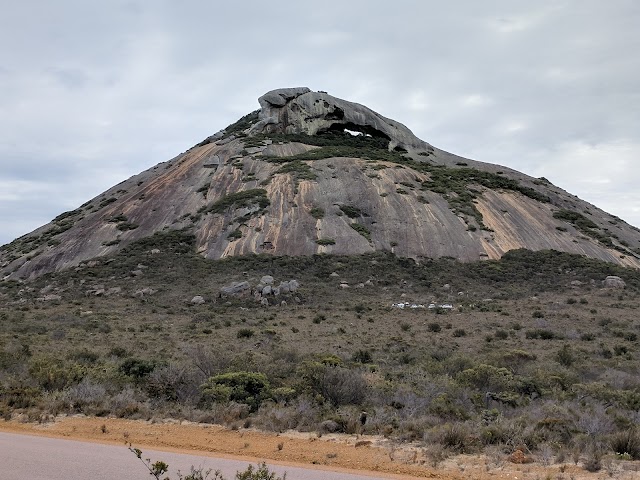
105,91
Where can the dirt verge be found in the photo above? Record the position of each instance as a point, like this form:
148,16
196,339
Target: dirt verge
336,452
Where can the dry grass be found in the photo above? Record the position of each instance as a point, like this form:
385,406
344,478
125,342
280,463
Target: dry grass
538,362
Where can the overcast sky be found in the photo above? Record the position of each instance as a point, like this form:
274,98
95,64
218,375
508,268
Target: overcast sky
92,92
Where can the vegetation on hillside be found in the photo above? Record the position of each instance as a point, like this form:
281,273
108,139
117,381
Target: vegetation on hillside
587,227
534,353
242,199
459,185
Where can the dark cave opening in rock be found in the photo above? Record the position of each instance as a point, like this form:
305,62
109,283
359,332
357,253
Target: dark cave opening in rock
365,130
336,114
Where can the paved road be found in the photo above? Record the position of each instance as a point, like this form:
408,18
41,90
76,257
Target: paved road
24,457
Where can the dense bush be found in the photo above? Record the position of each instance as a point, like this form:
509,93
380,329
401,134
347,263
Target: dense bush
320,362
250,388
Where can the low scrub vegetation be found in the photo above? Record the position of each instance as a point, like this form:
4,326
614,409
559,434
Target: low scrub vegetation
511,364
243,199
460,185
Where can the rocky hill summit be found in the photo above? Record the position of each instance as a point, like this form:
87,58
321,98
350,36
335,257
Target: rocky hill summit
309,173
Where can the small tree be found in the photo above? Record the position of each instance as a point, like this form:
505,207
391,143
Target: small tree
251,388
159,468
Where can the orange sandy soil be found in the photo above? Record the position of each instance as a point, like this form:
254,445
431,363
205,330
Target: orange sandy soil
365,454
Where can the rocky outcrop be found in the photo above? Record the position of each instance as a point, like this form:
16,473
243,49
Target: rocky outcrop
613,281
250,189
236,289
299,110
263,292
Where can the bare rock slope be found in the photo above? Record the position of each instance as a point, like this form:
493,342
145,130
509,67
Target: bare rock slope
310,173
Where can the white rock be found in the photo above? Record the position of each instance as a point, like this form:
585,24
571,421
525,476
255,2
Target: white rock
613,281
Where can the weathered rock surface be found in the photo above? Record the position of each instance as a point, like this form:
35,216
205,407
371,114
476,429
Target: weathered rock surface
239,194
236,289
51,297
613,281
299,110
143,292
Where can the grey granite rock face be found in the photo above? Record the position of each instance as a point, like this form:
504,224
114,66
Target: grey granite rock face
613,281
236,289
280,97
266,280
299,110
187,192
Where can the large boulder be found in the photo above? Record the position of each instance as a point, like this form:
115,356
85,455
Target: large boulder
613,281
50,297
143,292
299,110
284,287
236,289
266,280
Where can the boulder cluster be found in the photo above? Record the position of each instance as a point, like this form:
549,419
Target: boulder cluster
266,291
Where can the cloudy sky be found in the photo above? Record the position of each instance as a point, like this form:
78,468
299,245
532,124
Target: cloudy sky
92,92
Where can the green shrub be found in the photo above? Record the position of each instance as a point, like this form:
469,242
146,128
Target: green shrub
299,170
362,356
362,230
243,199
487,377
245,333
351,211
53,374
85,356
260,473
124,226
565,356
626,442
137,368
235,235
501,334
250,388
240,125
326,241
456,437
584,225
317,213
540,334
118,219
342,386
119,352
204,188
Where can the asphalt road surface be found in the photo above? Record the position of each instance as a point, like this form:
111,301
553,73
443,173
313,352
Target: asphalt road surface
24,457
